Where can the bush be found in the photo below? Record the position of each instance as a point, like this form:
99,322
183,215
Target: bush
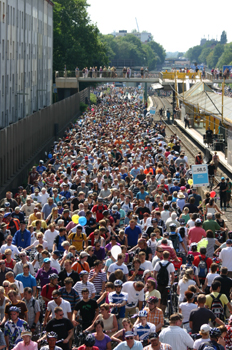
83,107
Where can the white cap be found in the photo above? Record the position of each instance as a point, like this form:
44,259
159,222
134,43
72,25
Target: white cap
205,328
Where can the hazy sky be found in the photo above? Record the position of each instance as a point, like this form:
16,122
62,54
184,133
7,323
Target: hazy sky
177,25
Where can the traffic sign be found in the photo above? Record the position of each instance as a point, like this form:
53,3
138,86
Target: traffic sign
200,175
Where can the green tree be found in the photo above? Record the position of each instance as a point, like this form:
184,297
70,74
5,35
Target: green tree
76,39
158,50
193,53
223,37
226,57
214,55
204,54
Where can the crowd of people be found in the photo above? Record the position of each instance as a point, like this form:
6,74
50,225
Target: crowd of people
106,232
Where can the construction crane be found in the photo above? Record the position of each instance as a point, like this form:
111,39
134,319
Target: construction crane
137,24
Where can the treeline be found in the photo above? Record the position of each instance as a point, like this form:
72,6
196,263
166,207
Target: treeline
78,42
129,47
212,53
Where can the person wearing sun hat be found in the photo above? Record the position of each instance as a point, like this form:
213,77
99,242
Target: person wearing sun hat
26,343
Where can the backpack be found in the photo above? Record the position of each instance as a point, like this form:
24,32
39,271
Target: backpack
163,275
208,346
202,268
217,307
175,240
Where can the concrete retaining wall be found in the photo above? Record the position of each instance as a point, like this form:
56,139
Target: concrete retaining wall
22,144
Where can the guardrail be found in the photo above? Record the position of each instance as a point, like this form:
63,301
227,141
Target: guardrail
105,74
180,75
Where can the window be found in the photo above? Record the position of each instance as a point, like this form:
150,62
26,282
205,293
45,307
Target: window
13,50
12,82
3,49
8,51
13,16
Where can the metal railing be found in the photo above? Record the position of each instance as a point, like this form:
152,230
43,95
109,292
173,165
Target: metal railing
105,74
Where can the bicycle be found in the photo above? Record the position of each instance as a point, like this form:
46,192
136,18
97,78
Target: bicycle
172,305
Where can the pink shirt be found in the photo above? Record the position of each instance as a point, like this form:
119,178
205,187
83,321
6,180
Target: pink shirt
195,234
21,346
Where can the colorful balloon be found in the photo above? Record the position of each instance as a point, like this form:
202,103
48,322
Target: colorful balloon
49,155
75,219
190,182
212,194
82,220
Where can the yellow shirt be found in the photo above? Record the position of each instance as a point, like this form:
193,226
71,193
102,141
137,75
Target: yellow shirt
77,241
32,217
153,293
209,299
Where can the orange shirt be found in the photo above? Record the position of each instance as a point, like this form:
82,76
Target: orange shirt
147,171
80,267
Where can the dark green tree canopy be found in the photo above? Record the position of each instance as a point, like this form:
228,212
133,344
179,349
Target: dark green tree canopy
223,38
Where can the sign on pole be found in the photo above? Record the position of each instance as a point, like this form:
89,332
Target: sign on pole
152,110
200,175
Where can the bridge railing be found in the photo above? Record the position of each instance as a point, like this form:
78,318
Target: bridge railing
105,74
209,76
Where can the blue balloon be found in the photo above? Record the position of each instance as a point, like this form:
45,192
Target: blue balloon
49,155
82,220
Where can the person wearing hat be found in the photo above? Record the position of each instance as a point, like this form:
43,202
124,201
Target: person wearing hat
17,214
12,224
175,335
204,332
196,233
51,340
84,283
154,313
130,342
26,343
81,264
181,200
155,343
14,327
214,334
22,237
43,274
223,187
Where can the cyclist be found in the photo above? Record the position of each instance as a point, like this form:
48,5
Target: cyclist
89,343
51,339
143,328
118,300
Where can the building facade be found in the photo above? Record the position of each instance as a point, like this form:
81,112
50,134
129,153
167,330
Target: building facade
26,50
143,37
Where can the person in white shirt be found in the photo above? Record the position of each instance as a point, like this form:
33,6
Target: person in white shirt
225,257
119,265
43,196
204,332
145,264
176,336
54,260
58,301
10,246
135,292
50,235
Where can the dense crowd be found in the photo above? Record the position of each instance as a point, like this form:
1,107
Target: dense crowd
110,238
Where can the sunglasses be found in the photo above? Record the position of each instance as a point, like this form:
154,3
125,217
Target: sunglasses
6,286
127,338
23,256
160,251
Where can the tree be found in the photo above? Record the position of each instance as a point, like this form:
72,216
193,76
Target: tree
214,55
158,50
76,39
204,54
194,52
226,57
223,37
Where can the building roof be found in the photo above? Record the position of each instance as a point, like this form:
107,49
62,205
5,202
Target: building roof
201,96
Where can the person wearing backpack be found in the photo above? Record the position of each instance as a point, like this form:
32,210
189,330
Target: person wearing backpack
164,274
202,262
217,301
48,288
176,238
34,311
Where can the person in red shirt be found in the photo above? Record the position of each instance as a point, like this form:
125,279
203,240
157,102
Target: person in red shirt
49,288
164,245
98,209
203,257
89,343
196,233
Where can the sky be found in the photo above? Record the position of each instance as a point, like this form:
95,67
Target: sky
176,25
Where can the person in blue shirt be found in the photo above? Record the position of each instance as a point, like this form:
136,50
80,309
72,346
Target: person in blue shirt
118,300
17,214
135,171
197,197
27,279
175,187
22,237
65,193
142,194
41,168
133,233
143,329
129,343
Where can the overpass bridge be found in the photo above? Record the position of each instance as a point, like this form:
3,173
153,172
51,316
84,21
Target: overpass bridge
68,82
